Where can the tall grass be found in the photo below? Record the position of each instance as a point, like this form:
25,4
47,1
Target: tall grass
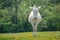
28,36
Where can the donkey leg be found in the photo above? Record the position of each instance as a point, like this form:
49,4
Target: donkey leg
34,29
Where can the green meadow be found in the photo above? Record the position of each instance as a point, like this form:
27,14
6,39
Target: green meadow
54,35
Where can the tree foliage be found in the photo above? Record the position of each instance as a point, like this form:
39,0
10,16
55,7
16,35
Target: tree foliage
12,11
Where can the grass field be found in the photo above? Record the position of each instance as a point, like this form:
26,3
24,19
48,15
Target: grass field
28,36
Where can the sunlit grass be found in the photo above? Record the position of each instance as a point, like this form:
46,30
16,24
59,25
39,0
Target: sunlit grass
28,36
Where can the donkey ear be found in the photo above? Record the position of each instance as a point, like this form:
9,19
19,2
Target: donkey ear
39,7
31,7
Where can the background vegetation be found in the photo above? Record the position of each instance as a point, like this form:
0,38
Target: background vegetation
14,15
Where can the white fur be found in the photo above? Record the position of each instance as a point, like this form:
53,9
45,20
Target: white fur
33,21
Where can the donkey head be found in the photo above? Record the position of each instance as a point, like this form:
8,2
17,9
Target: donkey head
35,9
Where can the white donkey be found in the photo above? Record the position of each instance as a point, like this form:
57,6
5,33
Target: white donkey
34,18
